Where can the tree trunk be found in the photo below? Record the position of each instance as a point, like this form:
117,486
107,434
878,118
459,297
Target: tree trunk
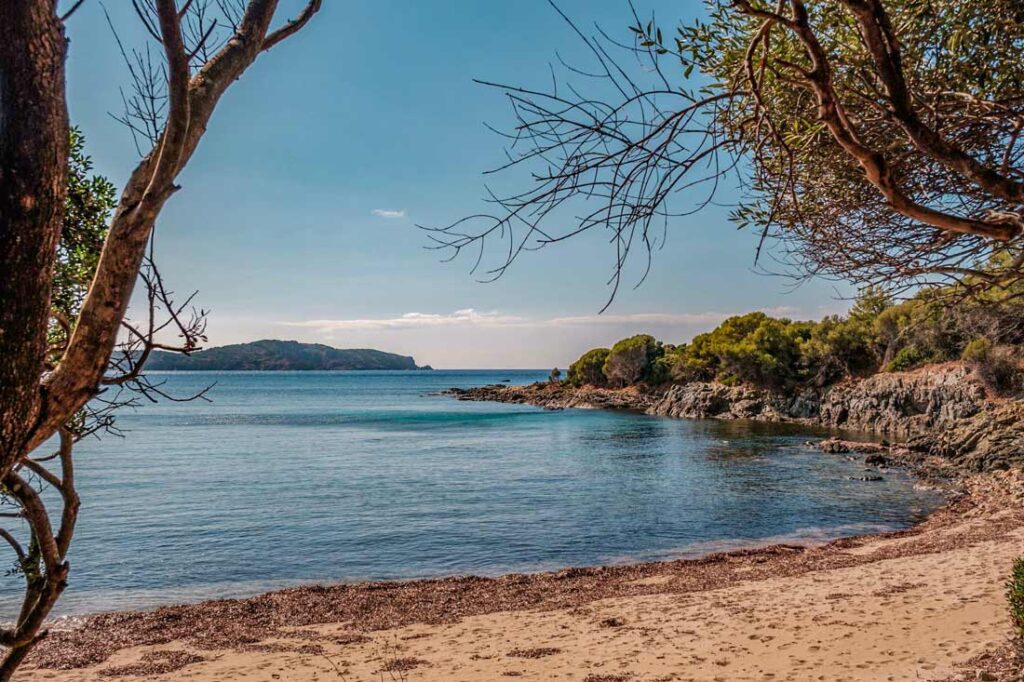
33,174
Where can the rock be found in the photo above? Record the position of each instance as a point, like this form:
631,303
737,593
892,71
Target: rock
834,446
556,396
839,446
990,440
904,403
938,411
703,400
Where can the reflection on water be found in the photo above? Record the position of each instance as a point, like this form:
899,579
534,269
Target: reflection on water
296,477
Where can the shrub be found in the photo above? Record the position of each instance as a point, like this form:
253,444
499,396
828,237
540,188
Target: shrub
977,350
630,360
839,348
997,366
589,369
908,358
752,348
1015,597
696,362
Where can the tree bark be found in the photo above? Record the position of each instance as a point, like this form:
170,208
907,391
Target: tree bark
33,173
79,374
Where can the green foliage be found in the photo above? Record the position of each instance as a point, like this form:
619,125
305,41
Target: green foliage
871,303
977,350
839,348
757,349
908,358
589,369
271,355
631,360
953,52
90,200
663,369
876,335
996,365
1015,596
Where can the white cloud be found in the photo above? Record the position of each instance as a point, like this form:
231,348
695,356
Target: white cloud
460,318
470,317
639,319
389,214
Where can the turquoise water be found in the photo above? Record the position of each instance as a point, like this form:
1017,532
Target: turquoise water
288,478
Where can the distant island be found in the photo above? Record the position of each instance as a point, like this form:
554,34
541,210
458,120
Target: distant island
273,355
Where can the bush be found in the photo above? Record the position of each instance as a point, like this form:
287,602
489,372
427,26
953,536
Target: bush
997,366
589,369
696,362
752,348
779,354
631,360
908,358
977,350
1015,597
839,348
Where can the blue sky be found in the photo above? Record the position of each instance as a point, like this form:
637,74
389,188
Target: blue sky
297,215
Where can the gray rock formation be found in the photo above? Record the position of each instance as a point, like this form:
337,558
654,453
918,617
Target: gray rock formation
892,403
718,401
904,403
991,439
941,410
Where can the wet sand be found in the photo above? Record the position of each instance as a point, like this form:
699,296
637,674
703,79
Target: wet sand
915,605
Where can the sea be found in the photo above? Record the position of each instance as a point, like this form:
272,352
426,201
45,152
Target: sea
289,478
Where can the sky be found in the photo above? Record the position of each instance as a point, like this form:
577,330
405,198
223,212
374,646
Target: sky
298,215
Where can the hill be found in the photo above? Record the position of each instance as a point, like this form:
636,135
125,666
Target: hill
272,355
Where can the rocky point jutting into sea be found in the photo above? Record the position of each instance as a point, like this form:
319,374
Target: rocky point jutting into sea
942,410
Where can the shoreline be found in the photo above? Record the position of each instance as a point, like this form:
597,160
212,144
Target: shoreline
934,476
694,552
960,554
988,507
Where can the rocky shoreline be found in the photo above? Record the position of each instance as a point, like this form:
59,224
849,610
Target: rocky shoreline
952,427
941,412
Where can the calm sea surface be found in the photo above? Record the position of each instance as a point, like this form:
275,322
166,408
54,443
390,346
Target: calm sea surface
288,478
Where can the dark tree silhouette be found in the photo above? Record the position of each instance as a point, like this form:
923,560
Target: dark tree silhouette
59,374
877,141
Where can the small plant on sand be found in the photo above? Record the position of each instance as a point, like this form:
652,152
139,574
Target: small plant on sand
1015,596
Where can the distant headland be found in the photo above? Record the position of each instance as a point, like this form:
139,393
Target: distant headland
274,355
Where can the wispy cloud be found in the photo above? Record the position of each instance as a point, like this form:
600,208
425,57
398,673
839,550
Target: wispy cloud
389,214
470,317
639,319
460,318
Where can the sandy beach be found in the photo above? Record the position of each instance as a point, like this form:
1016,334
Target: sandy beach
924,604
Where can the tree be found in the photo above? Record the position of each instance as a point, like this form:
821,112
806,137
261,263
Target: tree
555,376
45,386
630,360
877,141
588,370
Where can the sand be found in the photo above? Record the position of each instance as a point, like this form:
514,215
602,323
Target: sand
909,606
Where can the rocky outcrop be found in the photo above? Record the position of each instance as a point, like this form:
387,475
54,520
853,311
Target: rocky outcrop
718,401
938,411
904,403
897,403
991,439
558,396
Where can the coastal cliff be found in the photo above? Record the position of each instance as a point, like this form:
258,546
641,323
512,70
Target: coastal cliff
939,410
